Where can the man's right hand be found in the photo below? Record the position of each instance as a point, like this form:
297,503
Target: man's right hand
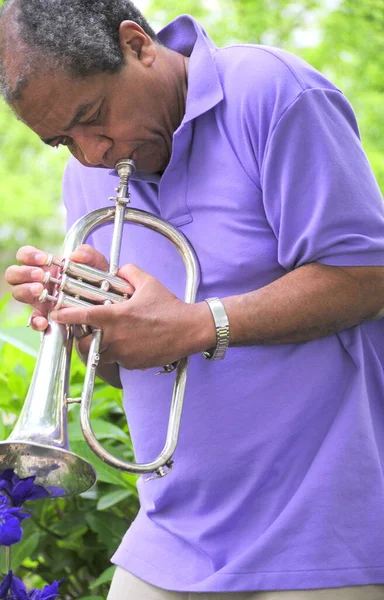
26,280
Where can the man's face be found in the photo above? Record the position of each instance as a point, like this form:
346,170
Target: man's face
104,117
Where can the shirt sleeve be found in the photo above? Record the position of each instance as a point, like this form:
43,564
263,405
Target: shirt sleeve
320,195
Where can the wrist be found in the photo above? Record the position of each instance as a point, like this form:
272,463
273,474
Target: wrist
201,327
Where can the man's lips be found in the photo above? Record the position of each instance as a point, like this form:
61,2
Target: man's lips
109,163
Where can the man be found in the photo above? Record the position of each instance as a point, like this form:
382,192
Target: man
277,489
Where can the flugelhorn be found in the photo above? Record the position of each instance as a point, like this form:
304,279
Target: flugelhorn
38,444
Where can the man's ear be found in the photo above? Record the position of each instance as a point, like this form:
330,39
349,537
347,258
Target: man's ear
133,39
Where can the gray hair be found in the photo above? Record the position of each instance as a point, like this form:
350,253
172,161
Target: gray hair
79,36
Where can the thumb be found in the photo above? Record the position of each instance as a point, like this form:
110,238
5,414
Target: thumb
87,255
134,275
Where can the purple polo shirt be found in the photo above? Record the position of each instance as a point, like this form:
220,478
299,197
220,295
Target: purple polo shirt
278,478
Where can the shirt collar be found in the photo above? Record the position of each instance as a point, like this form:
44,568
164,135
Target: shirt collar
186,36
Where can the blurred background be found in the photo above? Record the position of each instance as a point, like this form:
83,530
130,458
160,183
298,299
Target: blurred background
75,537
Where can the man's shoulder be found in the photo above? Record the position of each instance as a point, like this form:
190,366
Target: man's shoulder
265,74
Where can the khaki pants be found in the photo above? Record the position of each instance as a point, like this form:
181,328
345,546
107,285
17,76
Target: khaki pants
128,587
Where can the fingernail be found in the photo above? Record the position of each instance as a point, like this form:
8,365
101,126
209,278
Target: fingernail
36,289
29,320
37,274
40,258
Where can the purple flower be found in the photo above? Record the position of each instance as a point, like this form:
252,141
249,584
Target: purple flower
17,590
10,518
50,592
6,585
20,490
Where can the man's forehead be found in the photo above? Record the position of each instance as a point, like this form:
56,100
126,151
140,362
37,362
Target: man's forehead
37,100
53,103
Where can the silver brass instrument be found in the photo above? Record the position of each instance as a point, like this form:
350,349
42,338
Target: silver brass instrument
38,444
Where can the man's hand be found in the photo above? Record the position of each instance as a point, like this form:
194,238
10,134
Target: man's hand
151,329
26,280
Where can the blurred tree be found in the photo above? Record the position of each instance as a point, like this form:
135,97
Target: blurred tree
30,183
351,53
233,21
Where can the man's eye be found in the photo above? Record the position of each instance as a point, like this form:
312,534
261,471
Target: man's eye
64,141
95,119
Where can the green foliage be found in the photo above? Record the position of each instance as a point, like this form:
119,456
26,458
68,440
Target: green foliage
30,188
351,54
70,537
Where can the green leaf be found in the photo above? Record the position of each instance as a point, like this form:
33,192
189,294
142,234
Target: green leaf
105,577
111,529
4,302
92,598
112,498
24,339
102,429
17,385
104,472
3,432
21,551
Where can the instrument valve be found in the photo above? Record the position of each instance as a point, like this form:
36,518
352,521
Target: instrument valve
104,286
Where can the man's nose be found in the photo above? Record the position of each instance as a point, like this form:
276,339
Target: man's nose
92,147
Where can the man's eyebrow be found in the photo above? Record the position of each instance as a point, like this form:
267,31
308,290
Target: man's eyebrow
81,111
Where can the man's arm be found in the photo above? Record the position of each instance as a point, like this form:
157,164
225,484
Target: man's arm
155,328
310,302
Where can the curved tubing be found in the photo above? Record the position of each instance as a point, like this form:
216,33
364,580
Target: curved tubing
76,236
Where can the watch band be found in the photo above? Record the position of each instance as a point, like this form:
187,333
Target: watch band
222,330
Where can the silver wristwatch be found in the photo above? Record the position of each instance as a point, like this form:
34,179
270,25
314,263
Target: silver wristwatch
222,330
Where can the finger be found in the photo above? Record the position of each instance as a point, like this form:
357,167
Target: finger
38,321
95,316
134,275
83,345
87,255
80,331
15,274
29,255
28,293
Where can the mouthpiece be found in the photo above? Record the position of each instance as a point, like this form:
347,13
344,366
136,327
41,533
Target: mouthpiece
125,167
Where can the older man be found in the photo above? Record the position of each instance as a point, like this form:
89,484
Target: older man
277,490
